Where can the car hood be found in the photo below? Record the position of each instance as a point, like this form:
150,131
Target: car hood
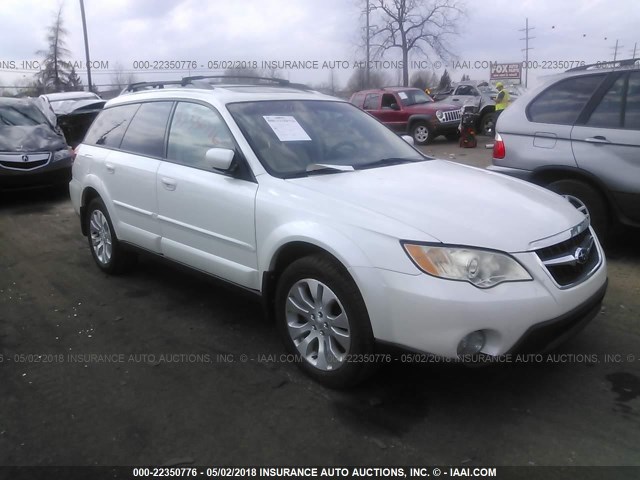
453,203
431,107
38,138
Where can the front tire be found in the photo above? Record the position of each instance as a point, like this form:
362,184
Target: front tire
105,248
586,199
323,320
421,133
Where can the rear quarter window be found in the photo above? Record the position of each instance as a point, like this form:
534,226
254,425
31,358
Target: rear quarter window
108,128
562,102
358,99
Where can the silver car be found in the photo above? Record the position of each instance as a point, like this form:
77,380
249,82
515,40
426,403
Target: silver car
578,134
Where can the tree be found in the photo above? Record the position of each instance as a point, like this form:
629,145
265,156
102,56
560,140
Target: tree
120,78
465,78
422,80
423,26
445,81
74,83
54,75
358,80
242,72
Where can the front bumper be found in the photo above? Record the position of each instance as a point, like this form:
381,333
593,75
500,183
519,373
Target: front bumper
526,175
54,173
427,314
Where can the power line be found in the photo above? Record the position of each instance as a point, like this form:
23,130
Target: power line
526,49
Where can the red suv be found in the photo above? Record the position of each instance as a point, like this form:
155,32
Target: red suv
410,110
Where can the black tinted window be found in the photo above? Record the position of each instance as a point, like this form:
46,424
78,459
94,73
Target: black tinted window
562,102
608,113
194,130
107,130
145,135
372,102
632,110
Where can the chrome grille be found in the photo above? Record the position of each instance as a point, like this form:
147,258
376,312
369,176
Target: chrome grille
451,116
572,261
24,161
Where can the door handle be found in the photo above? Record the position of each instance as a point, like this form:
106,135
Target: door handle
110,167
597,139
169,183
455,99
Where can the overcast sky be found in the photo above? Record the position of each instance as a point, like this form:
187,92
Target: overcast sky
124,31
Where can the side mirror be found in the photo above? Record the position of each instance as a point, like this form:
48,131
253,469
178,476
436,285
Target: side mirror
408,139
394,106
220,158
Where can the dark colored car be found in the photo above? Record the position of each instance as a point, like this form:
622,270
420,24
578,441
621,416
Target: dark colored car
410,111
33,152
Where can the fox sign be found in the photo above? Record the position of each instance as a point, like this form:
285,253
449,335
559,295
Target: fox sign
506,71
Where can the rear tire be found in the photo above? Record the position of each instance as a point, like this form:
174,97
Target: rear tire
323,321
588,200
105,248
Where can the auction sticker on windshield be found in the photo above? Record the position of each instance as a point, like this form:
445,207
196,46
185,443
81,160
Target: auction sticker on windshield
402,95
286,128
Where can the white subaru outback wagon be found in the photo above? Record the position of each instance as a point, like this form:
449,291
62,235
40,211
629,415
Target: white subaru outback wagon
352,237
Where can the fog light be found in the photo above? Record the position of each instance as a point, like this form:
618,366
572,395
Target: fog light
472,343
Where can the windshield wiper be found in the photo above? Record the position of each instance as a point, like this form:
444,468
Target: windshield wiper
384,162
327,168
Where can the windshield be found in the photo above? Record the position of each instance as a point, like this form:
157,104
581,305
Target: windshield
21,114
488,90
291,137
414,97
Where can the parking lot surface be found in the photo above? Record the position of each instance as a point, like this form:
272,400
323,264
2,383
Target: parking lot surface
166,367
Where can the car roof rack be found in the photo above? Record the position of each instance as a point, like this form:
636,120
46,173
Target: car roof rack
137,86
280,82
628,62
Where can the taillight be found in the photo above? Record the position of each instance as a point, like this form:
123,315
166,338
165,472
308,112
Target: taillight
499,151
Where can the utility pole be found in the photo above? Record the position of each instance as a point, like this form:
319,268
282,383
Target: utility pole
615,50
368,42
526,49
86,45
635,47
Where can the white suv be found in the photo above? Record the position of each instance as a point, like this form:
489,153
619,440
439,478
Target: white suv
351,236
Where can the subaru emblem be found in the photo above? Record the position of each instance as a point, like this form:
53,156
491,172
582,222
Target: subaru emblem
581,255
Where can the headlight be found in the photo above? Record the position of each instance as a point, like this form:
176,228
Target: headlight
440,115
61,155
482,268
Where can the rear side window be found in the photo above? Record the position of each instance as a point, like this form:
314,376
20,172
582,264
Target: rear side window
632,108
108,129
145,135
562,102
372,102
608,113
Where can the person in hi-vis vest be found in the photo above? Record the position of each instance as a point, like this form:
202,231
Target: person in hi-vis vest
502,99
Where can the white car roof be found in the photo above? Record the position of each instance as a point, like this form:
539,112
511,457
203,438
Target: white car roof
223,94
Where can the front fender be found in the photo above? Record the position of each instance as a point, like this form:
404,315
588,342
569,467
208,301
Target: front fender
328,239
